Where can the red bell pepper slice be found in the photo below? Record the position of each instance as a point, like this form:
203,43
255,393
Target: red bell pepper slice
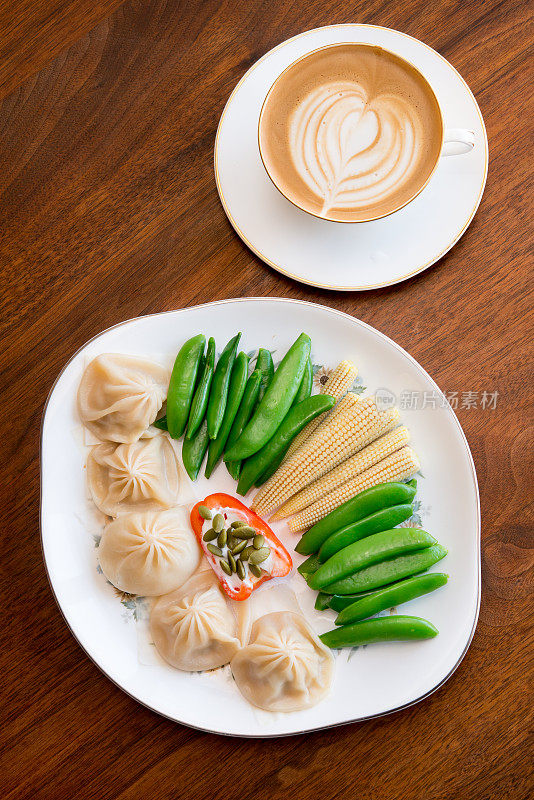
281,560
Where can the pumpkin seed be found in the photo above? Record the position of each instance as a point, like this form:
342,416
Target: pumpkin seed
259,555
240,546
205,512
210,535
238,524
246,553
231,541
245,532
215,550
218,522
258,542
256,571
241,569
225,566
231,561
221,538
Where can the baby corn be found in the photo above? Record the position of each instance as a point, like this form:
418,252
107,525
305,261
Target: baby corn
364,459
396,467
337,385
352,424
326,434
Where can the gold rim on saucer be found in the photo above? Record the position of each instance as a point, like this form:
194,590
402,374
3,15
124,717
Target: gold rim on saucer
279,267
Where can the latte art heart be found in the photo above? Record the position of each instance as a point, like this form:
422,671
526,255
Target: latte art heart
350,132
353,151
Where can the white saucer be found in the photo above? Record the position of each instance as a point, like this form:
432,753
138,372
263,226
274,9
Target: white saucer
353,256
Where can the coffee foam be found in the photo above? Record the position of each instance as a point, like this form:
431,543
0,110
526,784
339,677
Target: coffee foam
350,132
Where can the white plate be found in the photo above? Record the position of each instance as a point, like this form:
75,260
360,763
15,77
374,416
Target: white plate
374,680
346,256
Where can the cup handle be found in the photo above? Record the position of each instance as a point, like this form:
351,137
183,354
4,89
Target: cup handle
457,141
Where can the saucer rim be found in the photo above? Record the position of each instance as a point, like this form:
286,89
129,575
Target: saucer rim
317,284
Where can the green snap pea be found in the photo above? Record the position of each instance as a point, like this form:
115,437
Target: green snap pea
303,393
337,602
384,629
199,403
161,423
194,450
234,469
238,380
201,365
394,595
321,601
243,415
275,403
219,387
309,566
182,384
324,600
382,520
366,552
386,572
264,363
364,503
298,417
306,383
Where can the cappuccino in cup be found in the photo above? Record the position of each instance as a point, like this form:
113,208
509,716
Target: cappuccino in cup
350,133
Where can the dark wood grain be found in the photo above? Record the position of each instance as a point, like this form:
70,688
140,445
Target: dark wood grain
32,32
108,210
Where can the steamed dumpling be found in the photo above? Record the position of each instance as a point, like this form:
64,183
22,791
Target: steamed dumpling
141,476
285,666
193,628
119,396
149,553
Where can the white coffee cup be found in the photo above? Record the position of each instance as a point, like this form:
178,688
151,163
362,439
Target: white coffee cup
308,110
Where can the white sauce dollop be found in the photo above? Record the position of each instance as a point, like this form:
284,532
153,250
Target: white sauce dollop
233,515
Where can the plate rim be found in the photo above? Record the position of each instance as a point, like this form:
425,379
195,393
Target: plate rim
280,268
403,352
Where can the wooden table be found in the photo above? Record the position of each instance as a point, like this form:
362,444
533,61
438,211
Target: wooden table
109,210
